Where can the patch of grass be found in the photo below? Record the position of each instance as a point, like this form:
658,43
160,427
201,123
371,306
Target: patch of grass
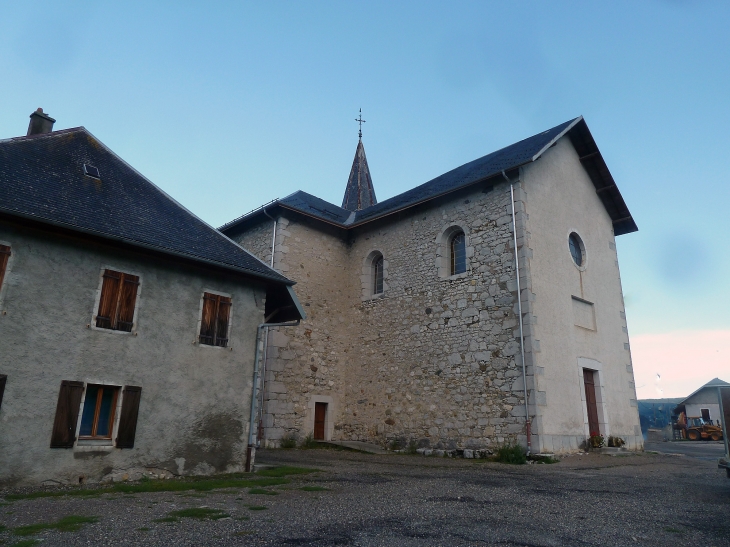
511,453
200,513
257,507
181,485
2,528
673,530
165,519
143,529
285,471
269,477
263,491
288,441
313,488
411,448
309,442
71,523
25,543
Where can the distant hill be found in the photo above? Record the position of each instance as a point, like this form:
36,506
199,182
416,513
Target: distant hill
656,413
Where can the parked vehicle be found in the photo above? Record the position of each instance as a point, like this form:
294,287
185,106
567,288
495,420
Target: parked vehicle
698,429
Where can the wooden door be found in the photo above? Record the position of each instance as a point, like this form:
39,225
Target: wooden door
593,427
320,411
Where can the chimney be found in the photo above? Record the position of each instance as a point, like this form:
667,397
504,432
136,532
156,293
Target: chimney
40,123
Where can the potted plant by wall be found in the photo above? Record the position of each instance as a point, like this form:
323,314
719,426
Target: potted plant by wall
615,442
595,440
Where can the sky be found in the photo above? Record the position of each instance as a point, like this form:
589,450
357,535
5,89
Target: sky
228,105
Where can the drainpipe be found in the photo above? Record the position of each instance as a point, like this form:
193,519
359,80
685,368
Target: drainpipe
266,342
519,311
251,450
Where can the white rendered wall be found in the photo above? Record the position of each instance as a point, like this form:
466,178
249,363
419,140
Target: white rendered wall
560,199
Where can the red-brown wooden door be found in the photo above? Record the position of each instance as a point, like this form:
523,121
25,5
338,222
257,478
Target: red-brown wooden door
320,411
593,427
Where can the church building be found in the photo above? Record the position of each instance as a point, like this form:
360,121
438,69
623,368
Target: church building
479,308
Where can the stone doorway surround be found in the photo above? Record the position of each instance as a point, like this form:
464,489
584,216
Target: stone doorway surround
597,368
329,423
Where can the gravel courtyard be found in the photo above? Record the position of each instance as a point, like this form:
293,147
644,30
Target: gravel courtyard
361,499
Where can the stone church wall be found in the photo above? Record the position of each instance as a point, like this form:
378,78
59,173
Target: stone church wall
437,354
434,359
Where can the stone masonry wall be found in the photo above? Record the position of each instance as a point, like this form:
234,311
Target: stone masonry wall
438,354
434,359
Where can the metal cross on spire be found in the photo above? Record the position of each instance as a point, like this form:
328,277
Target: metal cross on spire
360,121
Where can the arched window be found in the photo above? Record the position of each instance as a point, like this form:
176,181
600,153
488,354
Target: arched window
378,275
458,253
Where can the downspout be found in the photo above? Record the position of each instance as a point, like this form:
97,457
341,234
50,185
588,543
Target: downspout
260,432
519,311
251,450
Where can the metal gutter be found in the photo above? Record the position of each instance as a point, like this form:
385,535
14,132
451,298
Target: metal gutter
519,311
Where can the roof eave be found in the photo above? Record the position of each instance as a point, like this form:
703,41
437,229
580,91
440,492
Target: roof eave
249,273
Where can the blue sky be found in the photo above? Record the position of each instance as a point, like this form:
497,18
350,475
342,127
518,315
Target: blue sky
229,105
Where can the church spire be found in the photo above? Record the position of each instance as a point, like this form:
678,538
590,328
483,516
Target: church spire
359,193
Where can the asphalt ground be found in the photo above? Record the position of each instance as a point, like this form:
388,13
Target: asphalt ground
703,450
399,500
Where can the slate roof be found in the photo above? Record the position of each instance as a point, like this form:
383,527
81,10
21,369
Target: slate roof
715,382
359,192
42,178
506,159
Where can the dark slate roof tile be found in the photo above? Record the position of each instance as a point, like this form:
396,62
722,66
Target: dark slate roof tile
42,178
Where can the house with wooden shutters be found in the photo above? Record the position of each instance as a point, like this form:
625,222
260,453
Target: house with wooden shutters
128,326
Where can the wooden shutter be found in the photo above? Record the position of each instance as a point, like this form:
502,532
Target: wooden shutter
67,414
4,257
221,331
127,299
128,419
106,315
3,379
208,321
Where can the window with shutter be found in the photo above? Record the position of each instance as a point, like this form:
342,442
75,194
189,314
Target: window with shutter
214,320
4,257
3,379
117,301
67,414
128,417
97,418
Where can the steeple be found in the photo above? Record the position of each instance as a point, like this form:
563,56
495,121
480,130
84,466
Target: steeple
359,193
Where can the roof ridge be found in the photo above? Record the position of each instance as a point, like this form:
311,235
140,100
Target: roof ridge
22,138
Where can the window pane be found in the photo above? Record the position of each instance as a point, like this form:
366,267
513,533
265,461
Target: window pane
575,249
378,276
103,428
87,417
458,254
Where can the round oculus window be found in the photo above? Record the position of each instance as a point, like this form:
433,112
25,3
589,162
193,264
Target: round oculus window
577,251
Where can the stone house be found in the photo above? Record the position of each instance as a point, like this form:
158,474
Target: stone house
415,332
127,325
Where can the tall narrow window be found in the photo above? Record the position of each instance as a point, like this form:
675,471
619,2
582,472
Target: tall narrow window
378,275
4,257
97,418
458,253
214,323
118,297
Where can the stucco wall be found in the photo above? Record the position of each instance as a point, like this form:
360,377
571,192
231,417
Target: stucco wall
561,199
195,399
